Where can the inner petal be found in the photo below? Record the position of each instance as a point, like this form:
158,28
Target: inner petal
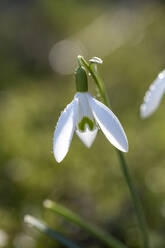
87,137
85,117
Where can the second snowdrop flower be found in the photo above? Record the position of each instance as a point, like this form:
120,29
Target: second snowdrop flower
153,96
84,115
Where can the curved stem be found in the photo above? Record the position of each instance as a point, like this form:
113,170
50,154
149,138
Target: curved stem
97,80
135,199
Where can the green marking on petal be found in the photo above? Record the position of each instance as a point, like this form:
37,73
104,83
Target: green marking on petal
85,120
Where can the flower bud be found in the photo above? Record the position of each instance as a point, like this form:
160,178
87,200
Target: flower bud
81,80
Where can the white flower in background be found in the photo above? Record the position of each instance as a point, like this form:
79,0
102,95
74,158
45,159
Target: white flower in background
4,238
85,115
153,96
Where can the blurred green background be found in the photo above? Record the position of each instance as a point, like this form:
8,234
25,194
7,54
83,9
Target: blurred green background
39,42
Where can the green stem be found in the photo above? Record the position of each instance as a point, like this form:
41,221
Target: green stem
104,237
135,199
97,80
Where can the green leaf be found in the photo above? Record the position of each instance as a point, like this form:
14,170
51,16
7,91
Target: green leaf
42,227
106,238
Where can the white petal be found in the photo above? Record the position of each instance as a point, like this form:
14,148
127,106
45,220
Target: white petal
87,137
83,106
109,124
153,96
64,131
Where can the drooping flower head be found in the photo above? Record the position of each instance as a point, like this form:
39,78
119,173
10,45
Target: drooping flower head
153,96
84,115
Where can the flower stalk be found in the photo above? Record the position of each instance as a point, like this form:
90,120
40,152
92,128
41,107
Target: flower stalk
124,167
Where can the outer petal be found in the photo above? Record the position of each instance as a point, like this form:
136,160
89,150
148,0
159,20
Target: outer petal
88,136
109,124
64,131
153,96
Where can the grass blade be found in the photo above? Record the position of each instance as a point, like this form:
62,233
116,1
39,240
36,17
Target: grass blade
49,232
107,239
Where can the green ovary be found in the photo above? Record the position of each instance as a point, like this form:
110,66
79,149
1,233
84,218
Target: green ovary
85,120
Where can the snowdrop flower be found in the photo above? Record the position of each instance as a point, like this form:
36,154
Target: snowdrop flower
153,96
85,115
